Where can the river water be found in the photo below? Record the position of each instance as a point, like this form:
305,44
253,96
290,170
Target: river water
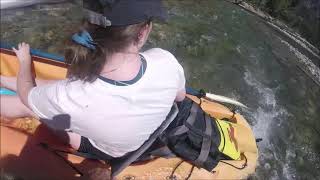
227,51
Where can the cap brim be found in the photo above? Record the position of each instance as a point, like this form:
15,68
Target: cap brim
158,11
162,15
123,13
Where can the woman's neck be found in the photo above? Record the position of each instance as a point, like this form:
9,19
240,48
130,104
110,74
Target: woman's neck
122,66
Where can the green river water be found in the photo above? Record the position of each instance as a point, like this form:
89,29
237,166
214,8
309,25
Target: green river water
224,50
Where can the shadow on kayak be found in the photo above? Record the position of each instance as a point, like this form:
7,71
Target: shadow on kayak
25,155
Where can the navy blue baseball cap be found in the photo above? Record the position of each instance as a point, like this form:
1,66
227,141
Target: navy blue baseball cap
123,12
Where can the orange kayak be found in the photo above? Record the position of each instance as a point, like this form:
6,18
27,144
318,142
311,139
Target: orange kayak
24,153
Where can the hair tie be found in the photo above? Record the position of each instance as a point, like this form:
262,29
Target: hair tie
83,38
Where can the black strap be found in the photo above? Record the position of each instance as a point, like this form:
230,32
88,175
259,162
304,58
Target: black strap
163,152
193,114
118,164
178,130
244,165
206,136
191,119
174,177
206,143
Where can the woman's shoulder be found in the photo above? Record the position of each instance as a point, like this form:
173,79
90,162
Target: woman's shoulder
159,54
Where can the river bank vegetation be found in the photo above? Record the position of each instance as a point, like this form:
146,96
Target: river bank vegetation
301,15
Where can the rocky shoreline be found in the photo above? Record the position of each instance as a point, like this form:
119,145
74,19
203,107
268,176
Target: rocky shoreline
310,66
277,24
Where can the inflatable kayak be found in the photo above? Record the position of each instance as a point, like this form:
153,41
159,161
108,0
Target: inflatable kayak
29,149
9,4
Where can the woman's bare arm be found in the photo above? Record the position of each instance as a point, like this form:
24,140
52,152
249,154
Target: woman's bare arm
25,78
181,95
11,82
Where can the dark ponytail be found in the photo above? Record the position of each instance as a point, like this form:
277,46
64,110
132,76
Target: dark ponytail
86,63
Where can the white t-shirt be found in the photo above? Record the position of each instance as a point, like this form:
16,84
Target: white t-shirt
116,119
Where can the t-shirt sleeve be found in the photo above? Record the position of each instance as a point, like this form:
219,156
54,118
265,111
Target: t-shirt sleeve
180,71
170,61
182,79
44,100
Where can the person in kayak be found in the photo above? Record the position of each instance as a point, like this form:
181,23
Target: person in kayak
114,96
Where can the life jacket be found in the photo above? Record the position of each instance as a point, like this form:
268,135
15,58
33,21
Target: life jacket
200,139
189,133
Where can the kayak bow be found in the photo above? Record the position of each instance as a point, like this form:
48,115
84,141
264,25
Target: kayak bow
213,97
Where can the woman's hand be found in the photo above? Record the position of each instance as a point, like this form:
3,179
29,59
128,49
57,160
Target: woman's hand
23,53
